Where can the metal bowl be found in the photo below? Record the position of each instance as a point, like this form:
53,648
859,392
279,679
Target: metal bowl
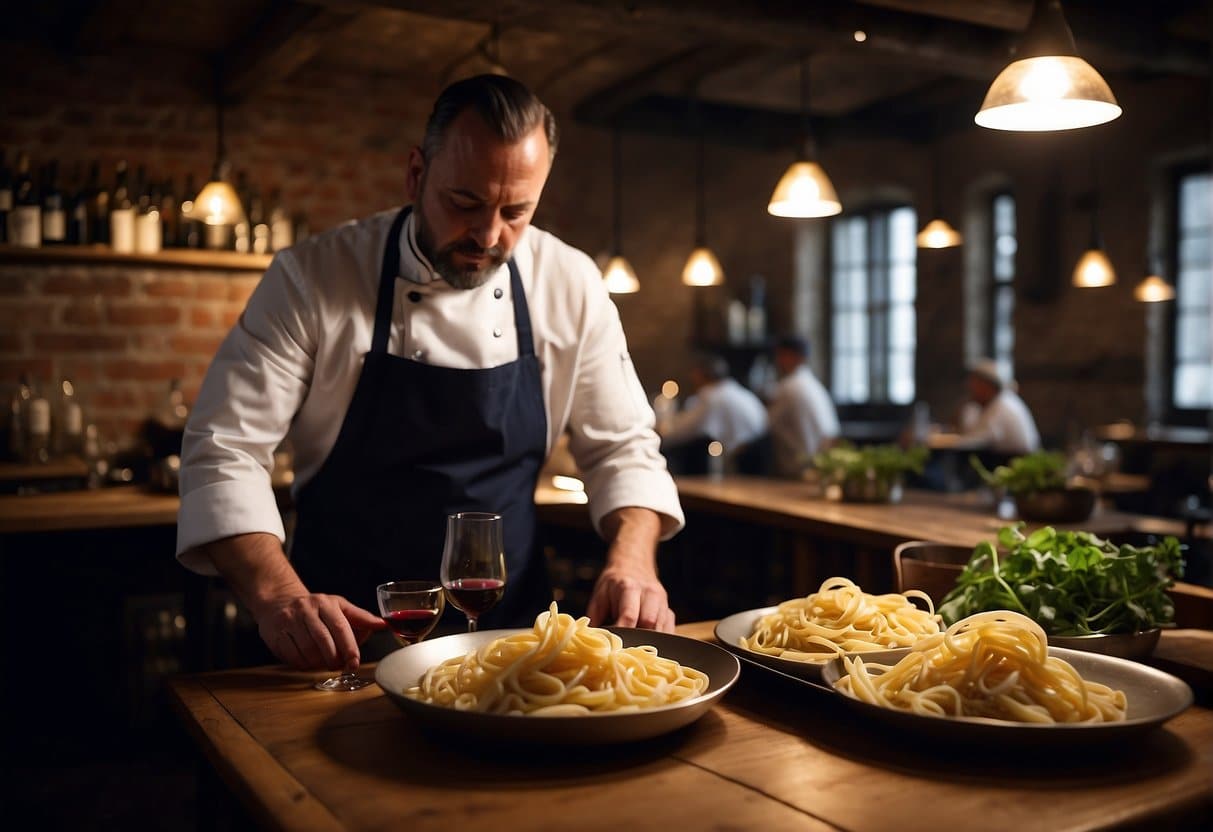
1062,505
861,488
1134,646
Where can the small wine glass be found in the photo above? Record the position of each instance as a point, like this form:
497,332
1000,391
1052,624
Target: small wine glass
410,609
473,563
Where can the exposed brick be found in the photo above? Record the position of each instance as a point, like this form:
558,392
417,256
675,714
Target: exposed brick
76,342
86,284
241,289
202,318
228,317
195,344
169,287
211,288
12,285
82,314
143,370
151,315
35,313
11,342
39,368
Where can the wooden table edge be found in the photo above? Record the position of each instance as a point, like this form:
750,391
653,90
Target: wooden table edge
276,799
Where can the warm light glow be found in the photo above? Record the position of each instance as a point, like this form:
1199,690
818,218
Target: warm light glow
1051,92
216,204
938,234
1094,270
715,448
804,192
567,483
620,277
702,269
1154,289
669,389
860,35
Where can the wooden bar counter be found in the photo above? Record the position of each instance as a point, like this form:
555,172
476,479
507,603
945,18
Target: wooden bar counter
772,754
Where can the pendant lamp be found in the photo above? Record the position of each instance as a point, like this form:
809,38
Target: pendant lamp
1153,287
805,191
619,275
702,268
217,202
938,233
1047,86
1094,269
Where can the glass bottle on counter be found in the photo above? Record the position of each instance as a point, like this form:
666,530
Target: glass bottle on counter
79,223
189,231
282,231
170,219
25,218
68,422
149,233
99,206
38,428
121,214
54,214
6,197
260,229
18,418
241,231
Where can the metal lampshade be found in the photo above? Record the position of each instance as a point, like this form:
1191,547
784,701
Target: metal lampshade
939,234
1094,269
620,277
804,192
216,204
702,268
1154,289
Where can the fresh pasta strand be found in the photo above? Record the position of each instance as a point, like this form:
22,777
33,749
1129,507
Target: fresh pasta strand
562,667
992,664
840,617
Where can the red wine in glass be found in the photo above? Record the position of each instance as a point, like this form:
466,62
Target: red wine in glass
410,608
475,596
473,563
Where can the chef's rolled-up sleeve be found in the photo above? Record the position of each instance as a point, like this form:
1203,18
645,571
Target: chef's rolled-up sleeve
611,425
251,392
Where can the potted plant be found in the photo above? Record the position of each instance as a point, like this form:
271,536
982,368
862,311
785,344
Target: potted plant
871,474
1037,484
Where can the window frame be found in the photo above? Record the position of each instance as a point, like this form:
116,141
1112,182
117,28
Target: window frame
992,282
1178,415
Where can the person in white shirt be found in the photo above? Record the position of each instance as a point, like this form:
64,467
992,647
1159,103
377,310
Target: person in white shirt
720,410
424,361
801,412
1003,425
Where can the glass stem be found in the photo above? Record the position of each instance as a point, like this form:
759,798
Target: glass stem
471,624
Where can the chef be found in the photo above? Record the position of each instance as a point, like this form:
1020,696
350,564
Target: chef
999,421
424,361
802,414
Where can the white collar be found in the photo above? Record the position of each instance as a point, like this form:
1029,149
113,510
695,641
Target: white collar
413,264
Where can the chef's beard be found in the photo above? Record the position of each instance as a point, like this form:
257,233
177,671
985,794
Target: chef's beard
443,261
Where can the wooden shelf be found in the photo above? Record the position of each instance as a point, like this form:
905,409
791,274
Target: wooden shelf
169,258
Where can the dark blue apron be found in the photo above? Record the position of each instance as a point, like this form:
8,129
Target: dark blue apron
420,442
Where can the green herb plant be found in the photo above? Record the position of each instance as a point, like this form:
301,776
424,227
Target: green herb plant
1027,474
1071,583
885,462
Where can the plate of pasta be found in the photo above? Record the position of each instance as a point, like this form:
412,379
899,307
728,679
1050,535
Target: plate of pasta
992,677
799,636
561,682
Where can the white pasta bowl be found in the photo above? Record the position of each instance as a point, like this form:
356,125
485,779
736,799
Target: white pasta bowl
403,668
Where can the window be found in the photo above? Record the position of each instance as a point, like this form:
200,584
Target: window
1192,378
1001,346
873,277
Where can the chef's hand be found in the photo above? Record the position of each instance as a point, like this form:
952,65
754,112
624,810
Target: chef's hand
316,632
628,593
305,630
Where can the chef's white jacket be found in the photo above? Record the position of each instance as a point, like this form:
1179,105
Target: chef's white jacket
802,417
290,365
1005,426
724,411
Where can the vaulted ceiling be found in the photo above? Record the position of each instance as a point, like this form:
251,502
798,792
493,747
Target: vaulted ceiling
653,65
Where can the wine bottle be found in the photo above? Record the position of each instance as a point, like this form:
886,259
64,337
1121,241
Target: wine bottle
282,231
170,220
38,428
68,422
25,218
18,418
257,223
99,206
6,197
54,216
122,214
241,232
79,223
189,230
148,231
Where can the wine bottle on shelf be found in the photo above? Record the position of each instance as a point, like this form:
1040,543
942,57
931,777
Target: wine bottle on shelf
18,419
38,428
282,231
54,215
122,214
170,220
189,231
25,218
99,206
68,422
148,232
241,232
79,223
6,196
302,230
259,227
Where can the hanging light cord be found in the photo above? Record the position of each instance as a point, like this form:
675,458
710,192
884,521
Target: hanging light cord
1096,242
617,165
809,149
701,219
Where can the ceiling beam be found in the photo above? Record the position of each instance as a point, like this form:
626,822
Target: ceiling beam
286,37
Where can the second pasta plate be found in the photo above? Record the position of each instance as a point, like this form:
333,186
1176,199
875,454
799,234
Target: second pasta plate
740,625
402,669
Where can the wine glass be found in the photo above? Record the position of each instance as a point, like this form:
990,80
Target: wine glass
410,608
473,563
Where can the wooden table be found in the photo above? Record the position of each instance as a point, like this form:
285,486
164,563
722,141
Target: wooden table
772,755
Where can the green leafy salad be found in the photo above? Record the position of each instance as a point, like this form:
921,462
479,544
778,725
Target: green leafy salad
881,461
1027,474
1071,583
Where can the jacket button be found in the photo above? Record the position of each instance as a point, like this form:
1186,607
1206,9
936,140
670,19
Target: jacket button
497,293
418,355
497,332
415,296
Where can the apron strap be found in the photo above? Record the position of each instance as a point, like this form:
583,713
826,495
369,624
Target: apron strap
388,273
522,314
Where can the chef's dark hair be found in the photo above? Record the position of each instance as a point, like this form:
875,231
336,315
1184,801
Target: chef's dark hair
506,105
713,366
793,343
